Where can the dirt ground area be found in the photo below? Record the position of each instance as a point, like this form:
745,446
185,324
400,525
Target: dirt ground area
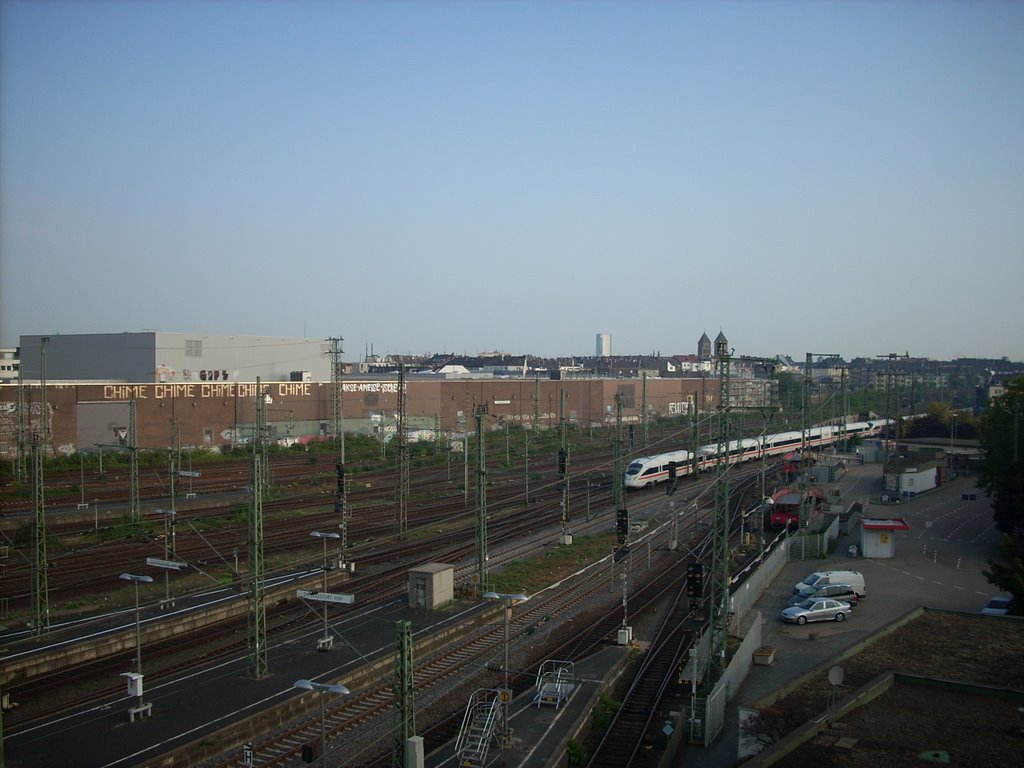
896,728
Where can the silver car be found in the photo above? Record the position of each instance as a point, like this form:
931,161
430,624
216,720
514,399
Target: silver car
816,609
840,592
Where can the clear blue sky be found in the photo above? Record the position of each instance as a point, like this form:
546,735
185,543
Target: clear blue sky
421,177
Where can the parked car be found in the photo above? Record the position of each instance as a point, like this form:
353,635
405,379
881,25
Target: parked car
820,578
999,605
842,592
814,609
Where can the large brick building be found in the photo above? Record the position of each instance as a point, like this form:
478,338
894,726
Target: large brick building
215,414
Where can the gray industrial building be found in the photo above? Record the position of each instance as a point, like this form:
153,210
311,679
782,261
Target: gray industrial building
159,357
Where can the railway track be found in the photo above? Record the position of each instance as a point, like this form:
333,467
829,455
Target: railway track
81,551
382,576
628,733
502,491
363,722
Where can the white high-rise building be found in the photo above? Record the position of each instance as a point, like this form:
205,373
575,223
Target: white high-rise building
604,345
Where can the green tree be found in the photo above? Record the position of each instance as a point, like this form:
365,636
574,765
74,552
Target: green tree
1008,576
937,422
790,392
1001,474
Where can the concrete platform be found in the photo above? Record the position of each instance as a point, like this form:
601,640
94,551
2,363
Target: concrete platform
186,711
540,734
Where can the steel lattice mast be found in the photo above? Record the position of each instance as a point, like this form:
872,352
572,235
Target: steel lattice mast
40,568
479,412
338,430
44,421
719,604
405,705
618,479
341,508
644,420
805,428
258,664
563,463
134,506
21,471
337,407
40,579
891,475
402,456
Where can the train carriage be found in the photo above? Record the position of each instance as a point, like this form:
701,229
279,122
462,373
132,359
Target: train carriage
649,470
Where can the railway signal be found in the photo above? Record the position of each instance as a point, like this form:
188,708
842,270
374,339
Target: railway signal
695,581
672,472
622,525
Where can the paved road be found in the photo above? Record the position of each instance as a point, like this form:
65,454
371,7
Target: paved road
937,564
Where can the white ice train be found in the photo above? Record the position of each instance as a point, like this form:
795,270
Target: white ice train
649,470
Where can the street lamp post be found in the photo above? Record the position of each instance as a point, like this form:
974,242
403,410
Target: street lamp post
135,683
322,688
506,695
326,643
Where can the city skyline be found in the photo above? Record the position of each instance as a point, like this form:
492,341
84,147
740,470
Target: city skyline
466,177
173,345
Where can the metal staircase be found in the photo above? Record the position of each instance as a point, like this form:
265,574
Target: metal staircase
479,726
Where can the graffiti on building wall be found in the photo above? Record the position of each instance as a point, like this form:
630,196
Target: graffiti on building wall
203,391
9,420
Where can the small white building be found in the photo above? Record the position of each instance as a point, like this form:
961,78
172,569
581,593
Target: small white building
877,535
431,585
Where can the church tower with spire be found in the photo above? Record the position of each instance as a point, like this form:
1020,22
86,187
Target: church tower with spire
704,347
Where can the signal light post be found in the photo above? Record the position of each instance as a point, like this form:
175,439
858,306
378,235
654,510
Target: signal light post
672,475
695,584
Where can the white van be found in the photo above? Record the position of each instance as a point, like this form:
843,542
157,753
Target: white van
820,578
